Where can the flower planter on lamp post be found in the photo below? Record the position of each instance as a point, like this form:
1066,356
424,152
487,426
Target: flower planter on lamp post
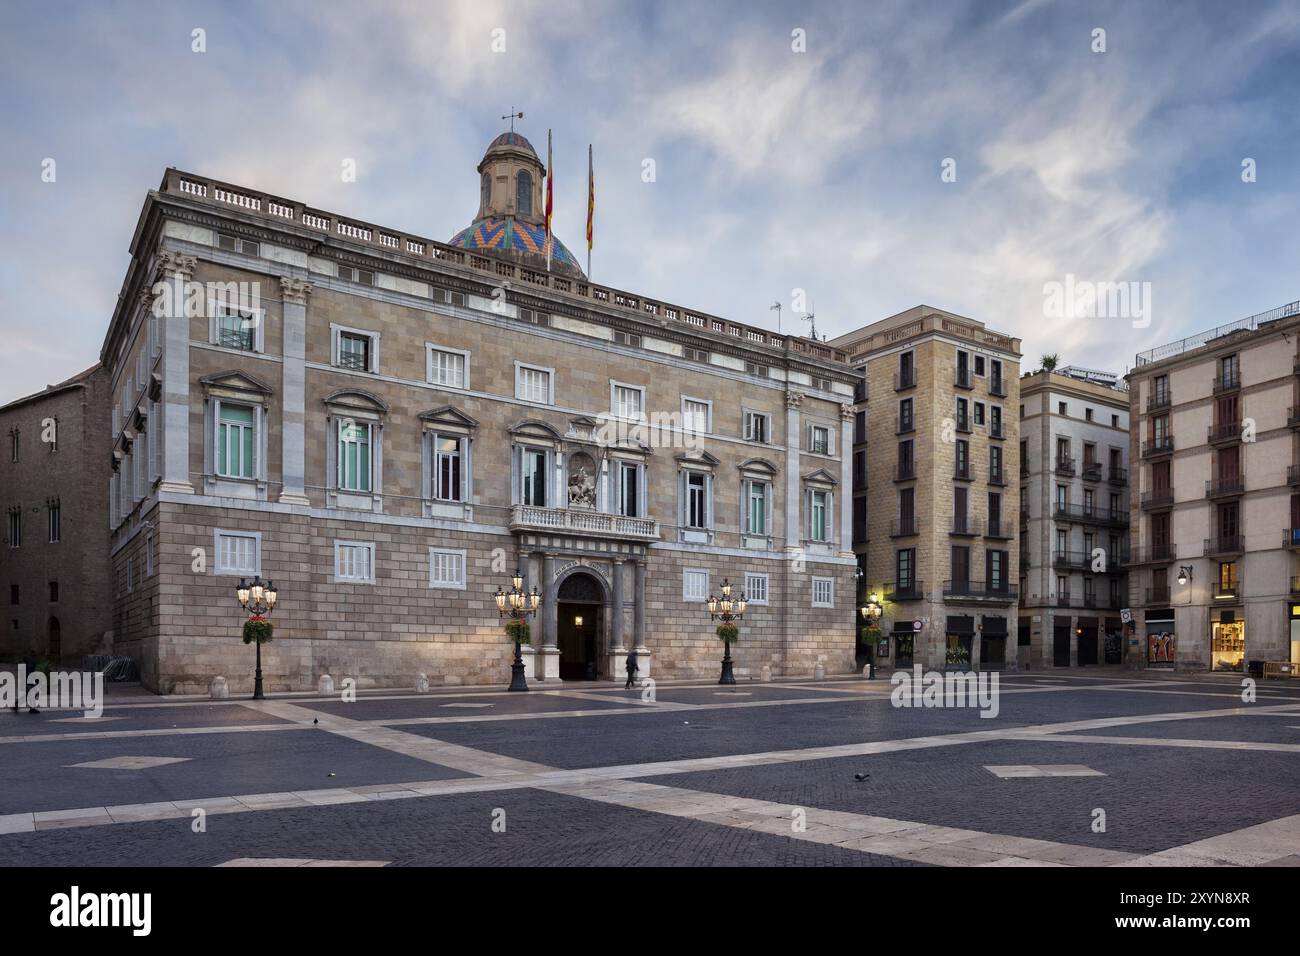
729,612
258,599
518,605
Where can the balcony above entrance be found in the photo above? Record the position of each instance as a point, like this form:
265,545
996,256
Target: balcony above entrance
581,521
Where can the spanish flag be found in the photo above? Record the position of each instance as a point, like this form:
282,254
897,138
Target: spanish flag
550,177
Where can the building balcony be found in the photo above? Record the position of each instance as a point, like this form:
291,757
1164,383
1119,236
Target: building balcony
904,380
996,431
998,593
964,526
1091,471
581,521
1229,382
997,478
1293,476
905,471
1158,447
1118,477
962,378
1295,586
1064,466
1158,400
1090,514
906,426
1293,417
908,591
963,424
1072,560
998,529
1224,433
1063,599
1089,600
1291,538
1156,554
1224,546
904,527
997,387
1157,498
1226,486
1159,594
961,471
1227,593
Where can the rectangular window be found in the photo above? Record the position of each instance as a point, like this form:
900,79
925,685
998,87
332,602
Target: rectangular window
697,505
446,568
819,440
54,592
354,456
758,427
905,569
820,506
235,329
695,416
54,522
756,514
356,351
238,552
534,477
756,588
15,528
447,464
979,413
236,441
627,401
354,562
448,368
905,421
823,592
629,489
695,584
533,384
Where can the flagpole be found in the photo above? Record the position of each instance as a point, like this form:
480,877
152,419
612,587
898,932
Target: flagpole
591,205
549,193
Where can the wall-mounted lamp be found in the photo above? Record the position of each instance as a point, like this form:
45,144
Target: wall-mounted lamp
1184,574
577,621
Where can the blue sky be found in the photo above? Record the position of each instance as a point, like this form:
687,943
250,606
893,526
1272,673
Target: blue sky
775,170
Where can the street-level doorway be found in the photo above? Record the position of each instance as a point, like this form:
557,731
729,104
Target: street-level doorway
580,612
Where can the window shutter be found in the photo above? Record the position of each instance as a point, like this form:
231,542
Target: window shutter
708,502
516,475
767,510
331,453
683,499
466,466
427,465
211,424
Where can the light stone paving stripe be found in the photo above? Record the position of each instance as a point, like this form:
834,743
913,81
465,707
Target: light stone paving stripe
1258,845
1016,771
1174,742
158,732
920,842
284,861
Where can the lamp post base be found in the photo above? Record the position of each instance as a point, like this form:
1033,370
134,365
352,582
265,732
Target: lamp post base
727,677
517,681
257,676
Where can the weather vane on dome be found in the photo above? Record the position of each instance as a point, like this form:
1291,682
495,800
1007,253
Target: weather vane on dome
512,117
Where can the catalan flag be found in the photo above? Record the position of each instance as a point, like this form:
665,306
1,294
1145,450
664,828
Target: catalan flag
591,199
550,178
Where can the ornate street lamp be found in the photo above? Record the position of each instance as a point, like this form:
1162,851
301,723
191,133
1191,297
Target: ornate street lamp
258,599
729,612
517,604
871,610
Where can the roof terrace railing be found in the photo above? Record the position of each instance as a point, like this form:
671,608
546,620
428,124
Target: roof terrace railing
1248,324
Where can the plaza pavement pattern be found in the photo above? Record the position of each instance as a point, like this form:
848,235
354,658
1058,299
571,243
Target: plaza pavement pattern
785,773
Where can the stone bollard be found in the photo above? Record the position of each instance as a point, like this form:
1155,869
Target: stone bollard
867,672
765,674
421,684
819,671
325,686
218,690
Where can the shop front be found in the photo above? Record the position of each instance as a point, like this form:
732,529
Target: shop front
1228,642
1160,638
1086,633
1294,623
959,635
993,642
904,640
1113,648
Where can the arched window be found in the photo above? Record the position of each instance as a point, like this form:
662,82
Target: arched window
524,193
487,189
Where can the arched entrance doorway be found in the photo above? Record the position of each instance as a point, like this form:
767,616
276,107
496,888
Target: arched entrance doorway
580,626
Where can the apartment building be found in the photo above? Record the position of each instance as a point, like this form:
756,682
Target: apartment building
399,423
1214,578
1074,517
54,560
936,443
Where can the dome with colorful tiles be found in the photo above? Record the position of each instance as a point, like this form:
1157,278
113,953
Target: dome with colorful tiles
511,219
513,235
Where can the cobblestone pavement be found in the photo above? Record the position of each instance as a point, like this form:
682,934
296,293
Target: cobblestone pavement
796,773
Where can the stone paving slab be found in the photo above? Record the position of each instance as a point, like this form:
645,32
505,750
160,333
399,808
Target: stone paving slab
38,776
542,829
1154,798
134,717
442,706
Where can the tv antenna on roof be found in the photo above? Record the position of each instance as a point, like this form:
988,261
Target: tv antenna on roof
811,319
776,307
512,117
